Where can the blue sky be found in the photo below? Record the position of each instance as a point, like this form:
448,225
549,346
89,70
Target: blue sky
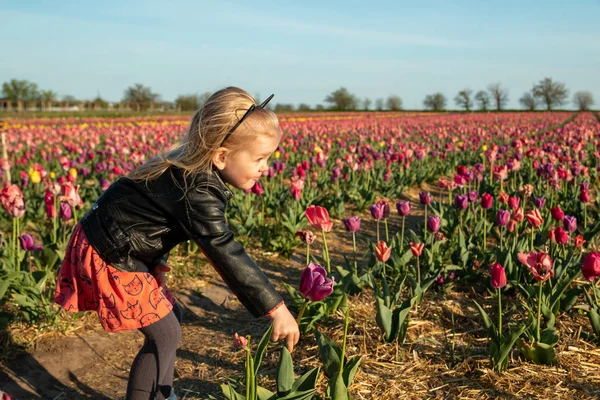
301,51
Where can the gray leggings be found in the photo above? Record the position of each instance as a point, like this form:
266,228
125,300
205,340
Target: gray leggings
151,374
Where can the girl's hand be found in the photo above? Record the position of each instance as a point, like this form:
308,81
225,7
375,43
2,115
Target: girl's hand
159,273
284,327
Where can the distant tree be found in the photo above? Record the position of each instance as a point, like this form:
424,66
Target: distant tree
528,101
367,103
187,102
551,93
100,102
342,100
279,107
379,104
394,103
463,99
435,102
69,99
140,95
48,96
499,95
20,90
483,100
319,107
583,100
303,107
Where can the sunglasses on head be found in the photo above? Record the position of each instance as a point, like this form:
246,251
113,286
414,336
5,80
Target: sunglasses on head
250,110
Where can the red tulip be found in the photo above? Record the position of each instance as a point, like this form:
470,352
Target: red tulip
319,218
514,202
417,248
382,251
584,196
561,236
13,201
306,236
486,201
503,197
557,213
579,241
498,276
591,266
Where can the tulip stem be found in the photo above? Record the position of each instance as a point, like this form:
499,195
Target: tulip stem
484,235
301,312
425,224
377,231
326,253
499,312
501,231
387,236
595,295
419,271
249,369
584,216
539,311
354,248
307,253
532,234
346,317
402,240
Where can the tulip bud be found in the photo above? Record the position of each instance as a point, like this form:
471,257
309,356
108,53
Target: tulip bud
403,208
584,196
382,251
579,241
486,201
306,236
557,213
514,202
498,276
461,202
539,202
591,266
570,223
424,198
27,243
239,341
534,217
561,236
503,197
433,223
352,224
416,248
503,217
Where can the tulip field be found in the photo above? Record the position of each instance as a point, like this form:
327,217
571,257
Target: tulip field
423,255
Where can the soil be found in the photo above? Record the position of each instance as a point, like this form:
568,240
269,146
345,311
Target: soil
445,354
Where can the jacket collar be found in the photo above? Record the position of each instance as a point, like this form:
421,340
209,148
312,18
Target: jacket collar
226,191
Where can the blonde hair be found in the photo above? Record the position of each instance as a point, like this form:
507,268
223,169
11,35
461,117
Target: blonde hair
209,126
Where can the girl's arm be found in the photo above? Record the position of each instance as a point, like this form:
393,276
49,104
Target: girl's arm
205,223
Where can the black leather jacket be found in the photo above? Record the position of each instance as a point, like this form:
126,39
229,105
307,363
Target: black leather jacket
133,226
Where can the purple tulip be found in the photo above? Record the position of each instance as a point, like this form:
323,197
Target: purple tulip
314,284
403,208
539,202
503,217
104,184
27,243
425,198
433,223
352,224
66,212
461,202
377,210
570,223
473,196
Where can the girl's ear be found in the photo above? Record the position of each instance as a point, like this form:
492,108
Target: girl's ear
219,158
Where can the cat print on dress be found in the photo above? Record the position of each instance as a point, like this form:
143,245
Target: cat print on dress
132,311
134,287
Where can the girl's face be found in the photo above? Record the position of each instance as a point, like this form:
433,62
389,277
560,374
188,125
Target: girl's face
244,168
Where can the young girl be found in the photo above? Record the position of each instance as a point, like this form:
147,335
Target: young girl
116,258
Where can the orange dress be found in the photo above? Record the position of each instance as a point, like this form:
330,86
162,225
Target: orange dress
123,300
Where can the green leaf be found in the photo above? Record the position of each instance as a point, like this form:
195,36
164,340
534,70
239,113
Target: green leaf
595,321
383,317
549,336
329,353
350,370
307,381
489,325
264,394
508,344
262,346
338,389
285,372
539,353
230,393
305,395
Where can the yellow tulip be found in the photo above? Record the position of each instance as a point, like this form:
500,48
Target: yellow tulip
35,176
73,172
484,147
277,154
52,175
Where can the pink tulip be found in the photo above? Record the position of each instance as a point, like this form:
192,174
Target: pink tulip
314,284
318,217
